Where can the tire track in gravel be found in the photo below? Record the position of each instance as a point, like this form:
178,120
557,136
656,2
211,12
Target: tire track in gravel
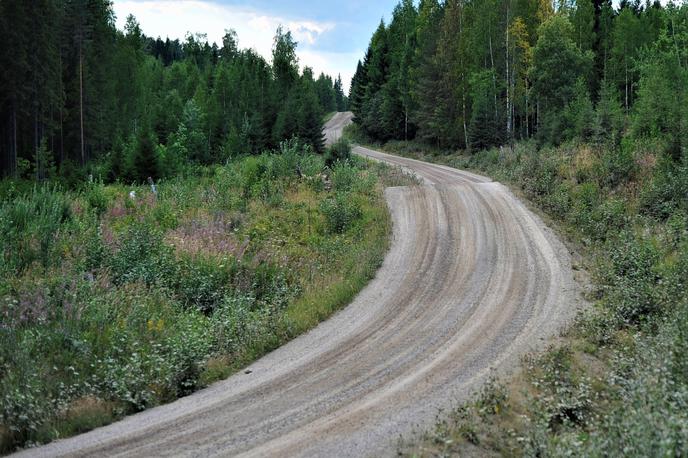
473,280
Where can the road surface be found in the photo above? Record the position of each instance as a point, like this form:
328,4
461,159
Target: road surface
472,281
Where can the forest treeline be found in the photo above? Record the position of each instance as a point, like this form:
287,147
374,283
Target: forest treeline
75,91
481,73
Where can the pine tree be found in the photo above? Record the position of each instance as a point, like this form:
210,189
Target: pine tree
484,127
284,63
425,73
579,115
609,118
557,66
358,89
339,98
583,21
145,162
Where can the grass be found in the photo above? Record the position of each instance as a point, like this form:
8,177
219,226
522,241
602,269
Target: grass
112,304
616,383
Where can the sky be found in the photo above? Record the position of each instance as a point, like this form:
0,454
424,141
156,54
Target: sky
332,35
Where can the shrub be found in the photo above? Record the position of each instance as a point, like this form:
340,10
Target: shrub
344,177
203,284
539,173
492,399
618,167
667,190
100,317
341,212
96,198
143,257
339,151
632,280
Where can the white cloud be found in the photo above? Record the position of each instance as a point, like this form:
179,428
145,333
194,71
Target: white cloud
255,29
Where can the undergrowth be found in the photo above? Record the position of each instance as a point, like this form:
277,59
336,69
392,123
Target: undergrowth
114,299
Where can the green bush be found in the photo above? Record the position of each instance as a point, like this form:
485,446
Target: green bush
203,284
344,177
341,212
618,167
339,151
96,198
667,191
142,256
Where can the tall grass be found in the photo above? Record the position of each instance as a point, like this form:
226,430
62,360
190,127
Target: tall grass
30,225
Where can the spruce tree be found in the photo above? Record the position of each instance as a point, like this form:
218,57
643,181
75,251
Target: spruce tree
145,162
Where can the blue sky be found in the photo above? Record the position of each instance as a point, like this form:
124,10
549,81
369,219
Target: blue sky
332,35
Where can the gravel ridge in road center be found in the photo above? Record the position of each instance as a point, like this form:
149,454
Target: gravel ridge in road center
472,281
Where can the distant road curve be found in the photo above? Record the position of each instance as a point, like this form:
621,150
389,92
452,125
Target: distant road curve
472,281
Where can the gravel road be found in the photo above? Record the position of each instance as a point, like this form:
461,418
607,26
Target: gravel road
472,281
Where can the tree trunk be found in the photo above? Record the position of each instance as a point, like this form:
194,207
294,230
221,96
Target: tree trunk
13,166
527,112
35,143
465,130
508,79
61,102
494,77
81,101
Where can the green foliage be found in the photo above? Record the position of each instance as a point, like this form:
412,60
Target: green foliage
662,97
142,257
666,193
190,141
341,212
483,125
609,118
95,91
339,151
557,67
145,162
30,226
580,114
480,74
110,304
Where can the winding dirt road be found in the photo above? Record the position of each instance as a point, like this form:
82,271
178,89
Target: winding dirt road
472,281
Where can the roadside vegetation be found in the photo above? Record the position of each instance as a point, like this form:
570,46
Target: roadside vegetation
581,108
616,382
115,299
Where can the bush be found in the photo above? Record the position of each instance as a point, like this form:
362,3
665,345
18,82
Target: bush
344,177
203,284
339,151
142,257
618,167
666,193
96,198
632,280
341,212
